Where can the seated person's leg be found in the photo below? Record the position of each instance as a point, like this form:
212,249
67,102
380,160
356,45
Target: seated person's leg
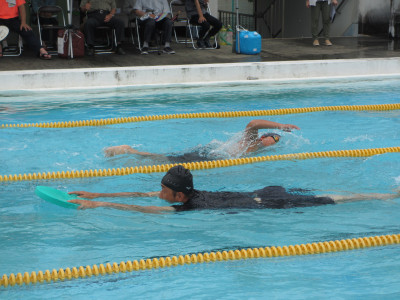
215,23
119,27
148,26
166,26
29,37
90,27
205,27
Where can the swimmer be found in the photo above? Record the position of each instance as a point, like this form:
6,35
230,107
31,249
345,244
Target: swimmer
250,142
177,187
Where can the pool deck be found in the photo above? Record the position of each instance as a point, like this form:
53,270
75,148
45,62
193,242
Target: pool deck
279,59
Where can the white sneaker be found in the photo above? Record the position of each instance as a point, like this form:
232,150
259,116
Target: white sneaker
3,32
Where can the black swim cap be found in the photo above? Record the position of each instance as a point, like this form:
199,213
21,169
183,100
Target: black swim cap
178,179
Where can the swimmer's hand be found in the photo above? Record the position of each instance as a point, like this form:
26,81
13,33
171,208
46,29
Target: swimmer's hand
289,127
84,194
85,204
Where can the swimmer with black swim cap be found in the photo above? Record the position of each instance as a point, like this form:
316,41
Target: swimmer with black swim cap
178,179
177,187
249,142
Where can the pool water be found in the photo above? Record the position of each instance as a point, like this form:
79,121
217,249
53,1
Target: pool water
37,235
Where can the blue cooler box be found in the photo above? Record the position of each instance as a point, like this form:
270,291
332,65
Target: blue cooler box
250,42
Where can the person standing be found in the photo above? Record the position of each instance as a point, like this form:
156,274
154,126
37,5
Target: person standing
323,7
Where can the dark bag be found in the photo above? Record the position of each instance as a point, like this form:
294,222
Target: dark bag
78,43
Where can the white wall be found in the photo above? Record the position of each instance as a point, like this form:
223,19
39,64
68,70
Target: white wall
245,6
379,10
214,7
297,19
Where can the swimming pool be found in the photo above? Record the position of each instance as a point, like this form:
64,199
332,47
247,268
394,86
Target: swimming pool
39,236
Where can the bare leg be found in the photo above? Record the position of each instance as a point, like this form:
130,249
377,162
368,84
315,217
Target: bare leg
117,150
361,197
126,149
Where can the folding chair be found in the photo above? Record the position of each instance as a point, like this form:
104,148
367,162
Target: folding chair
132,28
54,21
108,43
156,37
12,45
179,19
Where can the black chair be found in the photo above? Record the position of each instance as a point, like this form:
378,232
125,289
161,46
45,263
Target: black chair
12,45
106,42
180,19
50,19
132,29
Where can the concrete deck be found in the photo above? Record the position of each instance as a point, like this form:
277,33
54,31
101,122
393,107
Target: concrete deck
272,50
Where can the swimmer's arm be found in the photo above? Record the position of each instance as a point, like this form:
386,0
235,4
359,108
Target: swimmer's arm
85,204
90,195
254,125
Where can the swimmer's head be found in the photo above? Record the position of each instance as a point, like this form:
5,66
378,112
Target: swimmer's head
179,179
269,139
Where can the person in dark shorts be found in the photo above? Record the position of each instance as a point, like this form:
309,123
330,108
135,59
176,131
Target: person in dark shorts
177,187
198,15
249,142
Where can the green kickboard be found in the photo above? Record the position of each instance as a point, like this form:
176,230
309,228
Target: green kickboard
57,197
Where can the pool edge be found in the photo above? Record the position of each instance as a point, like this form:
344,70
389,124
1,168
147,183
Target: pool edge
195,74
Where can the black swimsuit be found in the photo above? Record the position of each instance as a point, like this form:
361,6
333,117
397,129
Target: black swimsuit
187,157
274,197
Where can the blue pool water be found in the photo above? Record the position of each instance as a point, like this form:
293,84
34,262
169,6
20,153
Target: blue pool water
37,236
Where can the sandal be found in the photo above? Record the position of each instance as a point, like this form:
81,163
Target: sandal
44,55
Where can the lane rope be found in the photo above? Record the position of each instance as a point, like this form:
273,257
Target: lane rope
226,114
195,165
163,262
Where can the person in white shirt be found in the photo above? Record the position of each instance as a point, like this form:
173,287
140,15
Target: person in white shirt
154,14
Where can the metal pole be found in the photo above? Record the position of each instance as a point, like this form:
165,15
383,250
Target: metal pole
391,21
69,10
70,5
237,27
